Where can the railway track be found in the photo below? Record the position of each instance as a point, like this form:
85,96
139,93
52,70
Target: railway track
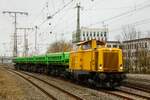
132,91
134,94
41,89
29,79
139,79
107,92
124,97
137,87
127,95
123,94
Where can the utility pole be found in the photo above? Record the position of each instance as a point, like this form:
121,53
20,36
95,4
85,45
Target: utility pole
15,50
105,30
63,49
36,28
25,40
78,23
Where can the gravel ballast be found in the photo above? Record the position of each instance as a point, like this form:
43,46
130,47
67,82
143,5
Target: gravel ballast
12,87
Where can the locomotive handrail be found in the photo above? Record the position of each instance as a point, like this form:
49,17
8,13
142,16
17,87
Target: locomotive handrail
89,41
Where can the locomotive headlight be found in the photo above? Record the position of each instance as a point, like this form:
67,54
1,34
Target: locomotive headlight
121,67
100,67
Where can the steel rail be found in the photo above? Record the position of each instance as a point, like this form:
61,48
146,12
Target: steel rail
137,87
134,94
41,89
117,95
50,84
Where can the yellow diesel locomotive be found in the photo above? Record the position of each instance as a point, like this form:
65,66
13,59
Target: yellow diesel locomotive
96,64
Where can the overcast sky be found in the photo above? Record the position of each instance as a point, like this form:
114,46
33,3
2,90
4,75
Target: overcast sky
62,25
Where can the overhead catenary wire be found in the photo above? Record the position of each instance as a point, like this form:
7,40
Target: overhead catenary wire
124,13
115,8
58,22
136,23
41,12
47,6
53,5
61,30
58,11
102,21
35,19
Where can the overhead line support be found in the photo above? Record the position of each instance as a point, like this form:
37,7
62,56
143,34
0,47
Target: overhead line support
15,13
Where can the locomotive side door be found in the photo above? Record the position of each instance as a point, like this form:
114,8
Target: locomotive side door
96,60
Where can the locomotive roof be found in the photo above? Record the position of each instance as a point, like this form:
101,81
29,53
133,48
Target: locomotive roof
89,41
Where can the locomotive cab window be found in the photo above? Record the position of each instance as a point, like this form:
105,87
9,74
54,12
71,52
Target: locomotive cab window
86,46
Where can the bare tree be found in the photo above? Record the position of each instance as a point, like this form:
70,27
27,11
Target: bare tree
148,62
143,60
148,34
129,32
60,46
137,60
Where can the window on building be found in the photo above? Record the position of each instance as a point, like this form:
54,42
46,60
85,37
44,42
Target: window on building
94,34
101,34
115,46
105,34
83,34
129,54
145,44
97,33
130,46
123,46
140,45
87,33
109,46
134,46
120,46
90,33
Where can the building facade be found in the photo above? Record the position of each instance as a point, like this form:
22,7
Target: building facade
91,33
113,44
136,54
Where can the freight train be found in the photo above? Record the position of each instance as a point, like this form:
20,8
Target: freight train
90,63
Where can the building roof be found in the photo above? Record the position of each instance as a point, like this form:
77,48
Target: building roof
140,39
97,41
113,42
93,29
